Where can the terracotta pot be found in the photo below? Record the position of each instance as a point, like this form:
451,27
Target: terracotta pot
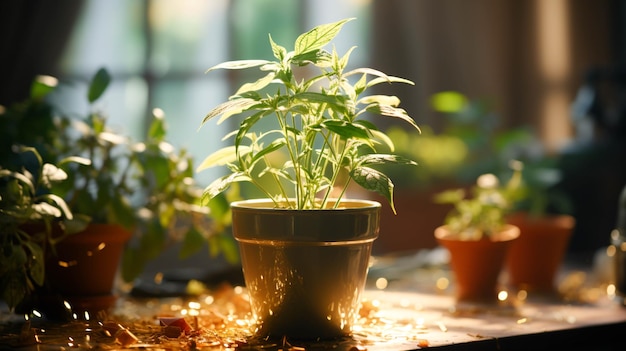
477,264
305,270
535,258
84,269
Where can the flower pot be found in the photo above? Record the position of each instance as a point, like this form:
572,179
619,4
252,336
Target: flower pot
82,272
477,264
305,269
535,257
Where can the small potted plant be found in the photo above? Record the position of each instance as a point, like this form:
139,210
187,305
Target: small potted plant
304,246
546,225
477,235
26,200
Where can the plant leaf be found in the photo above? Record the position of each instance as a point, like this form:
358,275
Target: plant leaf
345,129
373,180
337,101
62,205
279,52
14,288
239,64
258,85
229,108
448,102
378,159
158,128
391,111
99,84
222,157
222,183
319,36
388,79
380,99
273,146
42,86
37,267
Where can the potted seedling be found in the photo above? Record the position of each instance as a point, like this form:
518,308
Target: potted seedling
304,138
477,235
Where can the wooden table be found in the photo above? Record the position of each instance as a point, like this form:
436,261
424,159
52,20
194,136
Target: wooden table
415,311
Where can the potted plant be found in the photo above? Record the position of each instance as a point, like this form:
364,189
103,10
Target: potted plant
25,199
477,235
120,189
469,143
543,215
304,246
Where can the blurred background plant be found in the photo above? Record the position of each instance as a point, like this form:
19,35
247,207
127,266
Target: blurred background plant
28,213
147,186
470,143
482,211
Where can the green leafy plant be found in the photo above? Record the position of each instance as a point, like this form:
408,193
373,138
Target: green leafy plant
483,212
320,124
26,199
489,146
540,194
146,186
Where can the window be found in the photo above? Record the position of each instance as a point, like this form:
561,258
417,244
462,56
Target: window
157,52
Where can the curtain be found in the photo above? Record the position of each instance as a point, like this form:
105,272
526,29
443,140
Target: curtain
530,58
487,49
33,36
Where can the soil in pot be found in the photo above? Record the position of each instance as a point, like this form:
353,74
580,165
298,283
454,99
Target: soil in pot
477,264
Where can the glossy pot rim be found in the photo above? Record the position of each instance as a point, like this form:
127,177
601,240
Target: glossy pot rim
265,204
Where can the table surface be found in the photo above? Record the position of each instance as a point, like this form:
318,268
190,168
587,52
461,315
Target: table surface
408,308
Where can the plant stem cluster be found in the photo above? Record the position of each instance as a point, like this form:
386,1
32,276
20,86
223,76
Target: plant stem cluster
321,125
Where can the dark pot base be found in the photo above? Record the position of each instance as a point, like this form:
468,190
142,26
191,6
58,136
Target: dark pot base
52,307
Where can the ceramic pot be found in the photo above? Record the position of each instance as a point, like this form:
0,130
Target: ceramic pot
84,268
477,264
305,270
535,257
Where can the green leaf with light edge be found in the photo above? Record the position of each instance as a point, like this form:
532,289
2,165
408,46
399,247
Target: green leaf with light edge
258,85
318,37
42,86
229,108
223,157
239,64
222,183
373,180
